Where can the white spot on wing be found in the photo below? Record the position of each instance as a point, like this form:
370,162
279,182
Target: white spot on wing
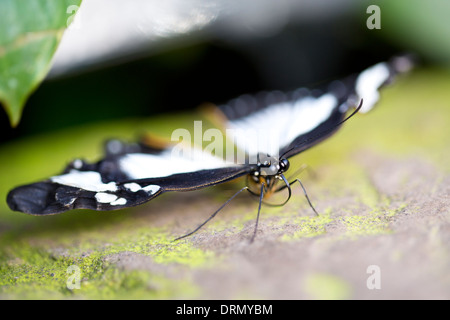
77,163
119,202
151,189
133,187
105,197
114,146
87,180
368,83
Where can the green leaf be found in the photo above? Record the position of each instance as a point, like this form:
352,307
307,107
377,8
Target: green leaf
30,31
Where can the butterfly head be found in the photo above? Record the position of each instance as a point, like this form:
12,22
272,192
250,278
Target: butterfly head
267,172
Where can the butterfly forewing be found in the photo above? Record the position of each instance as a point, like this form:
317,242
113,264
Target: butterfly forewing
122,180
287,124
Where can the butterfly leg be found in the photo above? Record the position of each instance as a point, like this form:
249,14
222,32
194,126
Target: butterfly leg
288,185
212,216
261,196
306,195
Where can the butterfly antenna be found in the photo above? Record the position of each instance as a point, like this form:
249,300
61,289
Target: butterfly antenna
212,216
322,133
261,196
306,196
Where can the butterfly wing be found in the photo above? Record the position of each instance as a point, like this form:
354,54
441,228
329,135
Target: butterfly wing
129,175
277,124
270,123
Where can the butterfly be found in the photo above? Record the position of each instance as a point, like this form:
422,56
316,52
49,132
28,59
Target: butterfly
133,174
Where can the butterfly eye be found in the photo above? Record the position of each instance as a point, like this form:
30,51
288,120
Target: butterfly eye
284,164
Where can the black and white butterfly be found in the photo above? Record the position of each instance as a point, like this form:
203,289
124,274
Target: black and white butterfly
132,174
